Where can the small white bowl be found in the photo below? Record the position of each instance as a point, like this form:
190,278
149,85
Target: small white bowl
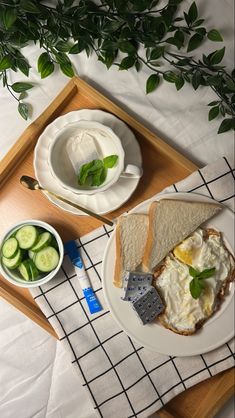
11,275
107,144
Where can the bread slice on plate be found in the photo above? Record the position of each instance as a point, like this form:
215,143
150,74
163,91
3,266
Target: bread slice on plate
131,237
171,221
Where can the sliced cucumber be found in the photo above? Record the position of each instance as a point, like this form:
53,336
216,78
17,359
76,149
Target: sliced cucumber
10,248
34,271
25,270
47,259
31,254
43,241
27,236
13,263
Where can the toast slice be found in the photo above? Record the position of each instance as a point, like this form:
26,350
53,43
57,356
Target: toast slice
170,222
131,237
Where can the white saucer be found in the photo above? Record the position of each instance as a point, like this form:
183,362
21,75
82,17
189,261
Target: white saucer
102,202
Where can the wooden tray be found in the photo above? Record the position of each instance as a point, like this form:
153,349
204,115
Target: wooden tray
162,166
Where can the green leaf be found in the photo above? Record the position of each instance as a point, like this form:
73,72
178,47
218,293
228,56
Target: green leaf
23,66
43,60
68,3
194,42
193,13
187,19
126,63
214,35
137,66
213,113
89,169
217,56
23,110
99,177
230,84
29,6
198,22
156,53
201,31
5,63
196,79
179,35
214,80
126,46
19,87
47,69
62,46
207,273
214,103
110,161
179,83
67,69
195,288
170,76
9,16
193,272
174,41
226,125
152,83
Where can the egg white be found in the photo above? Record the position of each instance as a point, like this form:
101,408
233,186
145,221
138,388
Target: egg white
183,313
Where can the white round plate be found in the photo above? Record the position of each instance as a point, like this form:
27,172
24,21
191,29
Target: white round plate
102,202
216,331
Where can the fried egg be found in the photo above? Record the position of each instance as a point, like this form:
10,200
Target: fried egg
201,250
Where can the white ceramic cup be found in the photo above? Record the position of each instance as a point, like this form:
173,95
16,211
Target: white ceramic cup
106,143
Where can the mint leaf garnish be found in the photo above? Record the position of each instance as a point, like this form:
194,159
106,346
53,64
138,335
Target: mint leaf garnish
110,161
197,285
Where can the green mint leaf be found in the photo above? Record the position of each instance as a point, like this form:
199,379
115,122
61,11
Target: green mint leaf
214,35
193,272
110,161
99,177
193,13
195,288
152,83
217,56
19,87
194,42
226,125
23,110
89,169
205,274
213,113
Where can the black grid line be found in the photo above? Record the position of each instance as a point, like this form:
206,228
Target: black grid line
89,258
87,323
146,372
205,184
230,168
227,198
211,181
144,409
91,240
72,349
115,365
204,361
177,371
100,344
175,187
233,354
107,233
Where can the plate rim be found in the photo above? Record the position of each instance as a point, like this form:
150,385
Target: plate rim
112,237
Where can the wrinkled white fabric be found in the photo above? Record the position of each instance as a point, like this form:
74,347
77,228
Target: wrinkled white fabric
36,378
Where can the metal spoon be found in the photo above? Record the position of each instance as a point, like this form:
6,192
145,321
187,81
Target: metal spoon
32,184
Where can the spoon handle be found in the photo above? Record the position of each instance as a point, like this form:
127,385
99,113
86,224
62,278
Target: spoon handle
89,212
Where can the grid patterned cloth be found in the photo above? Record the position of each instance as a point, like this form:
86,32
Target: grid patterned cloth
123,378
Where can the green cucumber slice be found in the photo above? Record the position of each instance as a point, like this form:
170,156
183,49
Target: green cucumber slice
27,236
25,271
34,271
10,248
31,254
13,263
47,259
43,241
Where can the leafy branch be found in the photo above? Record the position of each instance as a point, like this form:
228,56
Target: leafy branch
124,33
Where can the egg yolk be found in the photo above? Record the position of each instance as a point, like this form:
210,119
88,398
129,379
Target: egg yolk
183,256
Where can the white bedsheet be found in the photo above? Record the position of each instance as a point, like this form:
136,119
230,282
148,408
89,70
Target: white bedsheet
36,378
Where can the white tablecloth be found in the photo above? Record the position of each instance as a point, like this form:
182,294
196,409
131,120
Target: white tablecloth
36,378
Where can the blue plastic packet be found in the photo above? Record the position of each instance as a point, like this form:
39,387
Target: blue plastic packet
91,299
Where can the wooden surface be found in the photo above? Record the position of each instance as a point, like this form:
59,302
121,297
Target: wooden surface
162,166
